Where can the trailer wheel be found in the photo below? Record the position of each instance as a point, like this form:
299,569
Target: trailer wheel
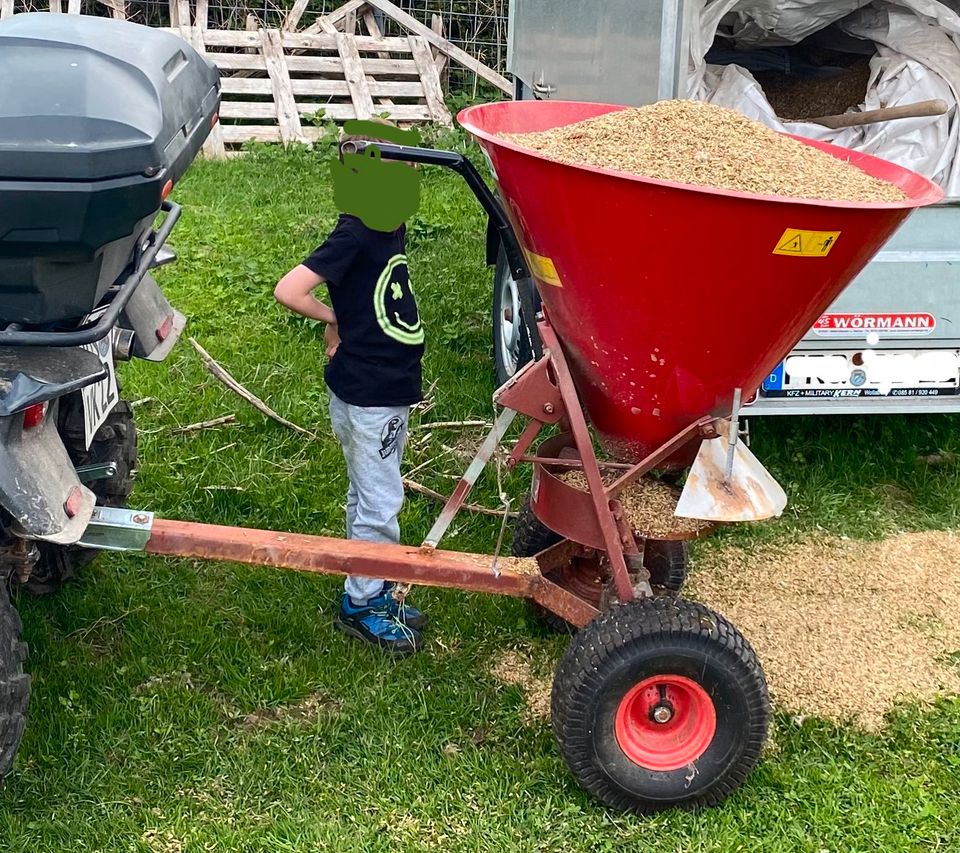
116,442
14,684
660,703
667,562
511,349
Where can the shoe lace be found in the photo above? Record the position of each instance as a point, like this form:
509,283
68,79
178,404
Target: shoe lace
399,596
394,616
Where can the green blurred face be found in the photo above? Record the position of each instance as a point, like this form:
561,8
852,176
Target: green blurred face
382,194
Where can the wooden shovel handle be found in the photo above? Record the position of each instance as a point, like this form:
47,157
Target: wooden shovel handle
935,107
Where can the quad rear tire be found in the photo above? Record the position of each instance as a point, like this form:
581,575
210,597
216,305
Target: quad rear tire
660,703
14,684
116,442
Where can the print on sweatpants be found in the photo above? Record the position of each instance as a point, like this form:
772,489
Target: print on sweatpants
390,435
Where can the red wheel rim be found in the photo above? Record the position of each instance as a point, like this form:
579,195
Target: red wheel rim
665,722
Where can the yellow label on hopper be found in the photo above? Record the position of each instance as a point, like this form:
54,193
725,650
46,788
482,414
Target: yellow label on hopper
543,268
809,244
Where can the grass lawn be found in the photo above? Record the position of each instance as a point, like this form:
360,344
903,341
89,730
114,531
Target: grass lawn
182,706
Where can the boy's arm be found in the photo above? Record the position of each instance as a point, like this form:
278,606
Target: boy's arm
295,291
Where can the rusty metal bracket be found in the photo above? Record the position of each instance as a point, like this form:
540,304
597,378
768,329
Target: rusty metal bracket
20,557
532,391
562,603
467,481
591,469
703,428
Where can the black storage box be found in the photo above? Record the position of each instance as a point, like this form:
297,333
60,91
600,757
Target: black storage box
97,117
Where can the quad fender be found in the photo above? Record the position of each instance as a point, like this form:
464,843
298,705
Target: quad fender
37,479
156,324
39,487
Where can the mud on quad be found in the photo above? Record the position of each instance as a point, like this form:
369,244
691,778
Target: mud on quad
89,152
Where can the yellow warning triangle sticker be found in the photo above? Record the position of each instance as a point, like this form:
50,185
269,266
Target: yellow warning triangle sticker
792,245
808,244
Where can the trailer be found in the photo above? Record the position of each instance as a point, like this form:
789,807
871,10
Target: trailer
890,343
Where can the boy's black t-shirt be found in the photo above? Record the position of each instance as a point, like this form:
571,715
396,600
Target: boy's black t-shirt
381,336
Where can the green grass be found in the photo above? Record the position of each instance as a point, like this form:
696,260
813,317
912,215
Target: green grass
144,669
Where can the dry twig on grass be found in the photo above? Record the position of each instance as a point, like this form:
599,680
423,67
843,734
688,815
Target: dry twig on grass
451,425
224,377
223,420
414,486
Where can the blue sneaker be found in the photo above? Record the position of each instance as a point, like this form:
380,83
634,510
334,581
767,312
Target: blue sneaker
375,624
400,610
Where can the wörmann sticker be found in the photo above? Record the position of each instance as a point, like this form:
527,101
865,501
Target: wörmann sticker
902,323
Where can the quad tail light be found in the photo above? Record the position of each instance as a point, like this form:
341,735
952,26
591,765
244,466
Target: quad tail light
71,506
165,328
33,415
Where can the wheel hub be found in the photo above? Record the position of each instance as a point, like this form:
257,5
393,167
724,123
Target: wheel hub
509,325
583,577
662,714
665,722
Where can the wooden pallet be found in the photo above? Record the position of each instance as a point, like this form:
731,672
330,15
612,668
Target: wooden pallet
274,83
278,83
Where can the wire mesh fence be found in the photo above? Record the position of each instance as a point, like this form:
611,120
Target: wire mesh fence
478,27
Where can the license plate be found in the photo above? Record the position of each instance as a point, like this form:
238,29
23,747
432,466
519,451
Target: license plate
908,373
99,399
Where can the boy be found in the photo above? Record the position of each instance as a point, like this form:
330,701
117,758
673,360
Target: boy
374,340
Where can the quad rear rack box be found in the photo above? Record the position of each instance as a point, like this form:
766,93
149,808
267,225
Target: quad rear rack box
98,119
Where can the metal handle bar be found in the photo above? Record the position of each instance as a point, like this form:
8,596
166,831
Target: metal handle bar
463,167
90,334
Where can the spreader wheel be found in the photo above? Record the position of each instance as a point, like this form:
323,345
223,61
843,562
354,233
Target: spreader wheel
660,702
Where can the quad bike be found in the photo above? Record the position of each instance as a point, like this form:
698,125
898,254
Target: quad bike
99,121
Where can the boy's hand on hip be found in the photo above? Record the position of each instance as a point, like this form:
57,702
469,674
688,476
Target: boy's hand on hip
331,336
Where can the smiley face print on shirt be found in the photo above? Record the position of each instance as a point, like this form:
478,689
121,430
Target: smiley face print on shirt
395,305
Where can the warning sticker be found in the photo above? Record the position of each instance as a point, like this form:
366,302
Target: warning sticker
543,268
808,244
909,323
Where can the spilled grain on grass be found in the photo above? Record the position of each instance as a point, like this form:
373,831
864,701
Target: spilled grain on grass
305,712
845,629
517,669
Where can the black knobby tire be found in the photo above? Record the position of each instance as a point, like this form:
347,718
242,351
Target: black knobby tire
115,441
667,561
14,684
506,363
648,641
530,535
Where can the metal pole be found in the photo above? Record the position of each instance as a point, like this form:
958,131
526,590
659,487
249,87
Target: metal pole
734,432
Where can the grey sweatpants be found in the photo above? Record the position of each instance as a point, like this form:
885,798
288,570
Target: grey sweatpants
372,439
